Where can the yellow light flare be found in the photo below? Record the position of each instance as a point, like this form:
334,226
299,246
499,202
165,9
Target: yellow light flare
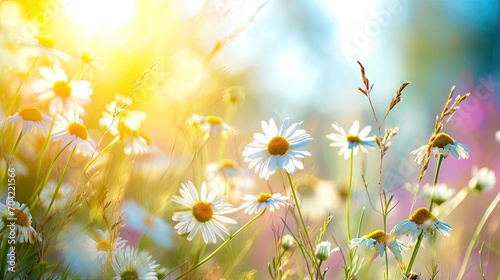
100,15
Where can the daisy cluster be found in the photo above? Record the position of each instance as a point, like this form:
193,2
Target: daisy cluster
156,175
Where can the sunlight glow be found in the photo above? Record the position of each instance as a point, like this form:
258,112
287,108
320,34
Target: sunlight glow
103,15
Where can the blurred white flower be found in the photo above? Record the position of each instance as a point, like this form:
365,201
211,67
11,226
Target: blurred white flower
117,113
47,50
441,193
138,219
60,198
212,125
318,197
483,179
226,176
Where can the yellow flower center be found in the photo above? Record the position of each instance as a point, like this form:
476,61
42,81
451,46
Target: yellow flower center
278,146
378,235
264,197
213,120
87,55
203,211
21,218
46,41
421,215
353,138
79,130
31,114
103,245
129,275
442,139
62,89
228,163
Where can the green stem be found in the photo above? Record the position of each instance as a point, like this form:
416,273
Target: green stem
39,185
475,236
438,166
415,251
56,192
348,206
421,236
222,245
313,259
386,264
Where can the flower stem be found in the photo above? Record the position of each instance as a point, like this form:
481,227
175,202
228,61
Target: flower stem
313,259
438,167
421,236
56,192
415,251
348,206
222,245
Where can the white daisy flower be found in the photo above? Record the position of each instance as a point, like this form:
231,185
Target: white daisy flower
234,95
205,213
103,248
255,203
60,198
18,215
66,97
212,125
443,144
117,113
354,139
422,220
30,118
379,240
132,264
277,149
483,179
73,134
440,194
323,250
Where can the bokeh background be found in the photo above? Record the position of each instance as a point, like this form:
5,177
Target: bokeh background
292,59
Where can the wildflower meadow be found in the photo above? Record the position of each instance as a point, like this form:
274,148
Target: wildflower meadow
228,139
